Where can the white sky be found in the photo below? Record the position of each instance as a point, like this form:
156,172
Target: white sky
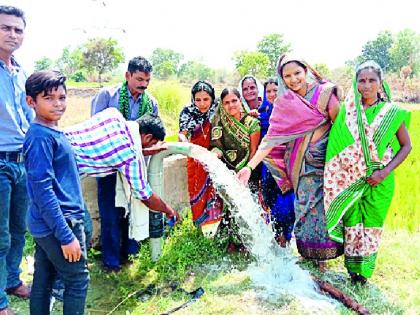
326,31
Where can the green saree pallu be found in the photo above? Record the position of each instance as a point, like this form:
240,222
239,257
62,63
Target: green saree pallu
360,142
232,138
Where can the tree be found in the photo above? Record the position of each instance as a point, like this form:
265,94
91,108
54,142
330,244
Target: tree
70,62
405,51
194,70
165,62
273,46
43,64
378,50
101,55
164,69
254,62
323,70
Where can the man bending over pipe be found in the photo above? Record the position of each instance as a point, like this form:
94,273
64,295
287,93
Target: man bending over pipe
107,143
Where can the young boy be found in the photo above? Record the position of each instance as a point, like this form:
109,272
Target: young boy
55,217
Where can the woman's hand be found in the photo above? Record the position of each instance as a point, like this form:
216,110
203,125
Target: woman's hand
243,175
254,113
377,177
217,154
182,137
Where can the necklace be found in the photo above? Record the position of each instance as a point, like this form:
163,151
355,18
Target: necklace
145,105
365,106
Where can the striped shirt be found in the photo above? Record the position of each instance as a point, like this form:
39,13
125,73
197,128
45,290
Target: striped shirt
105,144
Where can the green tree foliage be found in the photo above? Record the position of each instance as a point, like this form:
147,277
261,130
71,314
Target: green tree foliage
165,62
70,61
391,52
378,50
405,51
165,69
43,64
323,70
252,62
101,55
273,46
194,70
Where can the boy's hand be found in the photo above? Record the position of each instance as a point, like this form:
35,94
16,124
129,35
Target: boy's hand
72,251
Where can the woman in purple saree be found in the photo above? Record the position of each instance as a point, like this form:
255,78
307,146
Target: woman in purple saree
301,119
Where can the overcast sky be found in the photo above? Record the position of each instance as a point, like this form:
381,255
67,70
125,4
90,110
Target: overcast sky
328,32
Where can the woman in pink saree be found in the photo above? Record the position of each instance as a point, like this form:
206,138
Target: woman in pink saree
302,114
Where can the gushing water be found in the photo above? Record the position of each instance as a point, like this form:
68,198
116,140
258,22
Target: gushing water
274,271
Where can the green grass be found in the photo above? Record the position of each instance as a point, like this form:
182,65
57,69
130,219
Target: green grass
172,97
228,290
405,208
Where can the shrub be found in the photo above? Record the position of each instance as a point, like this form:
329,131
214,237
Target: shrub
78,77
184,248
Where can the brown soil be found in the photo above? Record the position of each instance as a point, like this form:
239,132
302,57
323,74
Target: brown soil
82,92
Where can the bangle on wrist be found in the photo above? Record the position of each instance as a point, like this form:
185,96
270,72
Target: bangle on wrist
249,167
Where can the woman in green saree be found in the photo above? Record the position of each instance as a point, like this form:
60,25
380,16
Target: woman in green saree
235,134
368,140
234,138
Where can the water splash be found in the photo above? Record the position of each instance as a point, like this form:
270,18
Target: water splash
274,272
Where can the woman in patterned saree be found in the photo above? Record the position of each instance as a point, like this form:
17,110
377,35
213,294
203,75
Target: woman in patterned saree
234,138
235,134
302,114
368,140
195,127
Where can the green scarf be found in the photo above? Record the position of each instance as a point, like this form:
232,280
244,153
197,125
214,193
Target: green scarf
145,105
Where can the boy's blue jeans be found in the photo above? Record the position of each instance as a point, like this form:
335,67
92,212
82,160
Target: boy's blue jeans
13,208
50,261
114,227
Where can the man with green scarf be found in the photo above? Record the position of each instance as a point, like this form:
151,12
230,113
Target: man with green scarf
132,100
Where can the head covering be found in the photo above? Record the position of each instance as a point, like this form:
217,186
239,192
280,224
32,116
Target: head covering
370,64
260,88
293,115
191,117
385,94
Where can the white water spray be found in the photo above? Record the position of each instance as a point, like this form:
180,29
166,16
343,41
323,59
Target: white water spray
275,272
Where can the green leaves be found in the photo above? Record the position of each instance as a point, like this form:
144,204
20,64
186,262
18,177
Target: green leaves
261,63
101,55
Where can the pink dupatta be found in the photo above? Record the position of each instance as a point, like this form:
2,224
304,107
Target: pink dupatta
293,119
